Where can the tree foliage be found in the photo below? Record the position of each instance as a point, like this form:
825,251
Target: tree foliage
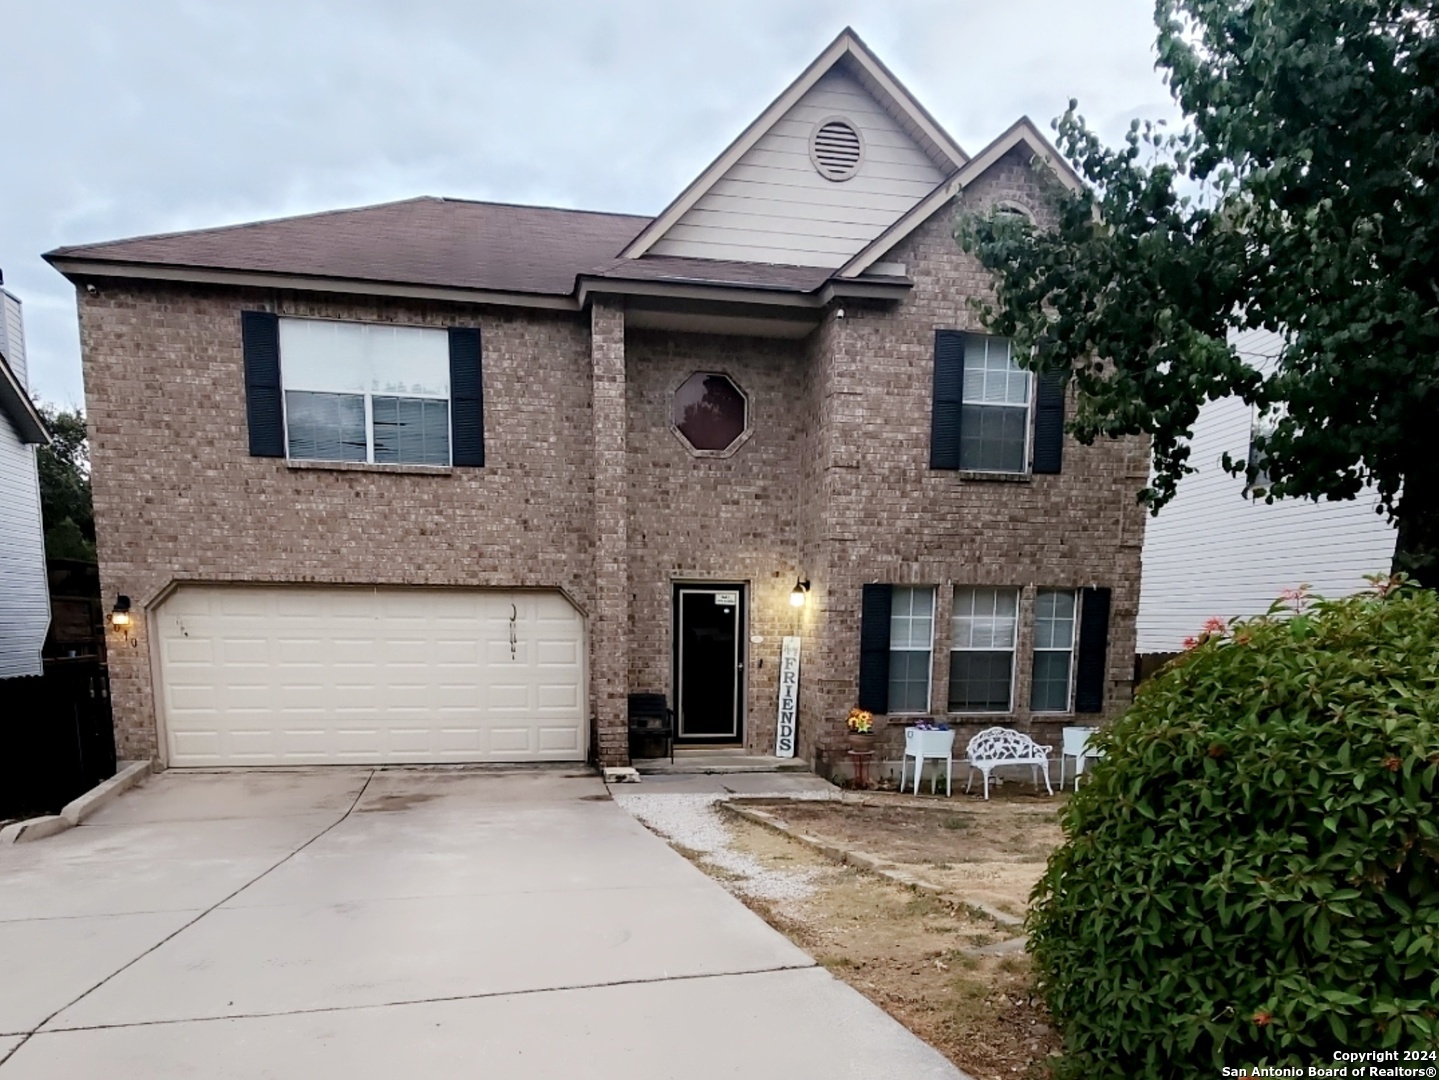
1251,875
1302,196
65,502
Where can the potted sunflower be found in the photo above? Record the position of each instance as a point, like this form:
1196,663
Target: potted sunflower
861,730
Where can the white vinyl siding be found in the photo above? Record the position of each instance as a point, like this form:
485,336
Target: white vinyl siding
361,392
24,588
294,674
12,336
773,205
1213,552
911,648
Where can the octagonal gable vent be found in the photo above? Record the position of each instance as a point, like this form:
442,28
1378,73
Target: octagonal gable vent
836,148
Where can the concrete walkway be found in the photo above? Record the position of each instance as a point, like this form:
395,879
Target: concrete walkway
417,923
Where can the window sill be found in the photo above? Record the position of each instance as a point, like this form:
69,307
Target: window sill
365,466
996,477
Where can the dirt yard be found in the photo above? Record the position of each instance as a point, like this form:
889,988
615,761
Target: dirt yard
957,979
991,852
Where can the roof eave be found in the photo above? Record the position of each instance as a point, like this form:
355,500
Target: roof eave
16,404
78,270
82,271
1021,132
748,295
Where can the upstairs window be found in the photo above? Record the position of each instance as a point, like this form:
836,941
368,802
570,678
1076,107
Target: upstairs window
994,424
366,393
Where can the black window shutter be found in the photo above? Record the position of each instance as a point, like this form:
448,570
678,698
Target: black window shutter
947,406
1093,650
467,397
1049,423
260,344
874,648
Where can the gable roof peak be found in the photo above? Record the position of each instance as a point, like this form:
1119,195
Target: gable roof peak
1022,132
848,51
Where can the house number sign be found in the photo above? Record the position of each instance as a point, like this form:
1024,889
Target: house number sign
788,698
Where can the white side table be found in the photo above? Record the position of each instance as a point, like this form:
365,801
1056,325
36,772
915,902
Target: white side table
922,744
1076,746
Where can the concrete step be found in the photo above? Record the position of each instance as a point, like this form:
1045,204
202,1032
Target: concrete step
703,760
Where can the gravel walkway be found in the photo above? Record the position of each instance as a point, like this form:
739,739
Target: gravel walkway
693,821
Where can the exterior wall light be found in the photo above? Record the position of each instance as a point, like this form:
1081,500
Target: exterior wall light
797,594
120,613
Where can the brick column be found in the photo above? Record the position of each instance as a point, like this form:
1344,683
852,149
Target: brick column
609,629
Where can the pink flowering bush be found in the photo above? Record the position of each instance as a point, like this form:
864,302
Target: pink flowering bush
1251,876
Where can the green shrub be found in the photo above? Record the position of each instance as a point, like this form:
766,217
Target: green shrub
1251,876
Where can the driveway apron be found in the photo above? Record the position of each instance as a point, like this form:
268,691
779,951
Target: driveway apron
426,922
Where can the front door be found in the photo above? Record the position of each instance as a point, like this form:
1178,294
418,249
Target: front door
709,662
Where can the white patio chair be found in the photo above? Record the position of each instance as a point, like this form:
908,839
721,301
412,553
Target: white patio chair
935,746
1076,746
998,746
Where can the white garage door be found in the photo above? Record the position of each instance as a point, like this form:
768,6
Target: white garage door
297,675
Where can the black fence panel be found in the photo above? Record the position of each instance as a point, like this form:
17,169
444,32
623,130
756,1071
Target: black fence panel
59,736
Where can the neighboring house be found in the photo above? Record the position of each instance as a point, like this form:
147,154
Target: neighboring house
1217,551
442,480
24,591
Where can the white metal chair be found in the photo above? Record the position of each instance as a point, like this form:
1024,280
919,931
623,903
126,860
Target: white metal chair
935,746
998,746
1076,746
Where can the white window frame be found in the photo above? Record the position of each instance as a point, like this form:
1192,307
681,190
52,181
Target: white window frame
1028,407
1073,644
929,668
1261,422
369,396
1013,649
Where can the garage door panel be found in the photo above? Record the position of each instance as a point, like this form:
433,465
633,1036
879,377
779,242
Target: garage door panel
511,741
504,698
256,742
557,699
559,739
197,743
228,603
550,651
309,675
498,655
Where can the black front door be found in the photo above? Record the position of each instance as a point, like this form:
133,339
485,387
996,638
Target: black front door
709,662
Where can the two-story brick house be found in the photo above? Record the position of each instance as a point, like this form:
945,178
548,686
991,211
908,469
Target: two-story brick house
444,481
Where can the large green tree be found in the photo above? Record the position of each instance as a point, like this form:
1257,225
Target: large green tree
65,504
1301,196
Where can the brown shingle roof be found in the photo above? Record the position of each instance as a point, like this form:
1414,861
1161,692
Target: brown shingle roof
426,241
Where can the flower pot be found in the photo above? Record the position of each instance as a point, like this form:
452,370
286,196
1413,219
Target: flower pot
860,744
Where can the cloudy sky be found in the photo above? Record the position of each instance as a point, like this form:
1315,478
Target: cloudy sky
156,115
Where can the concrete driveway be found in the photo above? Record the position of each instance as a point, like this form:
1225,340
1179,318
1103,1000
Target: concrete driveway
404,922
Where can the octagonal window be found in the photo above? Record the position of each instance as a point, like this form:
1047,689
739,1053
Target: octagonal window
711,412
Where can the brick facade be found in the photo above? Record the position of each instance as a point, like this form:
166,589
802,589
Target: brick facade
178,498
588,490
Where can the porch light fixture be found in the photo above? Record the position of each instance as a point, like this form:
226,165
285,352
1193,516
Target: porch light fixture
120,613
797,594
